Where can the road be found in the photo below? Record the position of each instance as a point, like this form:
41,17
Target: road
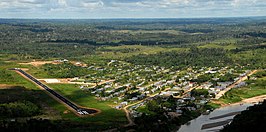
221,93
77,109
131,122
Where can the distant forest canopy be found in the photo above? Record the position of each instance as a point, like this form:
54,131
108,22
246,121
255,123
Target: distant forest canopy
43,39
195,57
129,31
254,57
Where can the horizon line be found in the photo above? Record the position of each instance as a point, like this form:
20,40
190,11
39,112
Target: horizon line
131,18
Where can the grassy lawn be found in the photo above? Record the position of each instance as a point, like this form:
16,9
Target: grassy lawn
38,72
213,45
213,105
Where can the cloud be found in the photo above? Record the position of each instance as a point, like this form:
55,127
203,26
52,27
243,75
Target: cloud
92,4
237,3
130,8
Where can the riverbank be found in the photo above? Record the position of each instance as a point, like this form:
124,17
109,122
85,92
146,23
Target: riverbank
252,100
220,116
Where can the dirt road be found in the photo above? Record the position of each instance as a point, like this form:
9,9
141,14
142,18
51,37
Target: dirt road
221,93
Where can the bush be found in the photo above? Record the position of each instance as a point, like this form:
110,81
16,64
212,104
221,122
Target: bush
19,109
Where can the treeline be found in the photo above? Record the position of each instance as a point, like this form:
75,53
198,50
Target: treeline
195,57
133,42
64,70
82,41
197,30
247,48
254,34
18,109
46,50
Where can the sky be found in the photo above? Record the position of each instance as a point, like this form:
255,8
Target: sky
86,9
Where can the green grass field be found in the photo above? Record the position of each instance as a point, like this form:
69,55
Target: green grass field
108,116
124,51
213,45
237,94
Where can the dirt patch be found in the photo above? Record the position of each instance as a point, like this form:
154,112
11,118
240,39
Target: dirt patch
24,69
252,100
64,81
219,103
38,63
66,111
79,64
5,86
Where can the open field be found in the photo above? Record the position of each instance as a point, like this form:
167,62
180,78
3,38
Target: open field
108,115
124,51
37,63
5,86
252,90
213,45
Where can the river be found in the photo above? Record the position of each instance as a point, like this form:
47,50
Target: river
215,120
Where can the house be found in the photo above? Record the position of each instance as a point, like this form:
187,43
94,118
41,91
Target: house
107,86
211,72
124,103
133,99
65,60
191,108
241,84
78,63
142,89
179,111
118,107
191,84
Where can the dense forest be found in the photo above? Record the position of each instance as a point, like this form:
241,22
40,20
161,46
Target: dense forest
194,57
206,57
48,38
18,109
65,70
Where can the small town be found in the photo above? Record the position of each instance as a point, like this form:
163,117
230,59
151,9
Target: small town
130,86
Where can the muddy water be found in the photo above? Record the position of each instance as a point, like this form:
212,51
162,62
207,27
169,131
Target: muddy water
215,120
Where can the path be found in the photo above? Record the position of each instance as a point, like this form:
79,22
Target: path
252,100
131,122
221,93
